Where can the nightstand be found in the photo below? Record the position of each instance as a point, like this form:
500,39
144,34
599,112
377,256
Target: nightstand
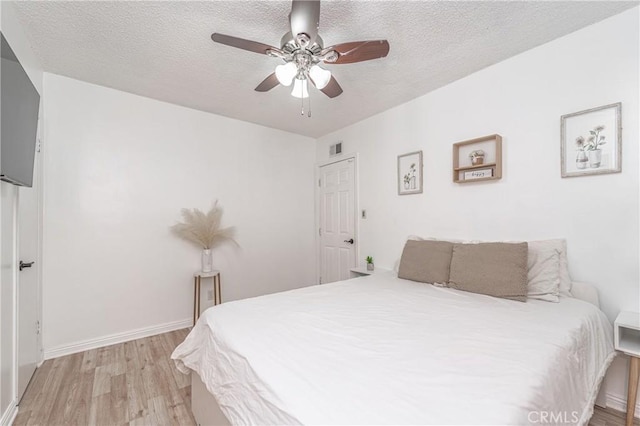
217,293
627,340
362,271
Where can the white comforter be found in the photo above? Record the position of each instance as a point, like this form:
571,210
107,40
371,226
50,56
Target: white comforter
382,350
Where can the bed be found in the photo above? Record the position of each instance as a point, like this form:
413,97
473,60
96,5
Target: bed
383,350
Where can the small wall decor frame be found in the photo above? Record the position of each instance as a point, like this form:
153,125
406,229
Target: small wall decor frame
410,173
478,160
591,141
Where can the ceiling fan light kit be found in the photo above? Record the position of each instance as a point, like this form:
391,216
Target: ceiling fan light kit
302,50
285,73
320,76
300,89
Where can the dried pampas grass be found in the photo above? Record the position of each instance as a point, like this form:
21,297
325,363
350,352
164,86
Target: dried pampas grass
203,229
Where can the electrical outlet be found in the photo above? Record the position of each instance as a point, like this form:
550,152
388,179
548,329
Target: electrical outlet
209,294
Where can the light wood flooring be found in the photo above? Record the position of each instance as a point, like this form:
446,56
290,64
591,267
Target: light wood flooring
609,417
133,383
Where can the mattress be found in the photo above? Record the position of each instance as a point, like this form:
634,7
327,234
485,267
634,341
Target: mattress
382,350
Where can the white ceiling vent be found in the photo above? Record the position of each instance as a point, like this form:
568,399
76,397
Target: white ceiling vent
335,149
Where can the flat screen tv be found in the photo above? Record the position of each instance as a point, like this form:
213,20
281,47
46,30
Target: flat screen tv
20,103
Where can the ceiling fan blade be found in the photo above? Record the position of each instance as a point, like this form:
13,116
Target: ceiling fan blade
268,83
240,43
359,51
332,89
305,18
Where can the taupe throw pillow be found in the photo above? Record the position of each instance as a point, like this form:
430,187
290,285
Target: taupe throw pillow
426,261
494,269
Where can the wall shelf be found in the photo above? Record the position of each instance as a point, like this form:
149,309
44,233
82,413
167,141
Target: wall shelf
479,166
465,172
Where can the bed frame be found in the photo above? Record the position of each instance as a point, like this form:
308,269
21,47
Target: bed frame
206,410
205,407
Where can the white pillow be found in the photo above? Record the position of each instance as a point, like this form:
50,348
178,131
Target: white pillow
561,247
543,278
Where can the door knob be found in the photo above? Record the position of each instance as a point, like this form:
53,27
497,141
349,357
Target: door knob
25,265
350,241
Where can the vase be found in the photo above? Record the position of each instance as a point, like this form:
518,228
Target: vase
406,184
207,262
412,183
369,266
581,160
595,158
476,161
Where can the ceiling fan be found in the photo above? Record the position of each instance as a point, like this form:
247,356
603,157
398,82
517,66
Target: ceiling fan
302,50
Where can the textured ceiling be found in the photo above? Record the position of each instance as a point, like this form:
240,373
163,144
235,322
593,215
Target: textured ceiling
163,50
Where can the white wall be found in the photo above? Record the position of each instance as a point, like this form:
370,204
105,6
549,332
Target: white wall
12,30
119,168
522,99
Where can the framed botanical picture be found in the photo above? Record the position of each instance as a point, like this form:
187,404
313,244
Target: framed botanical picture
410,173
591,141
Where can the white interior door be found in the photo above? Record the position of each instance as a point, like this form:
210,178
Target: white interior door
8,261
337,220
28,291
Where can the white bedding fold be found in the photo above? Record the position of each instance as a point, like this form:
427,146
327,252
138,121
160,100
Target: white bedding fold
381,350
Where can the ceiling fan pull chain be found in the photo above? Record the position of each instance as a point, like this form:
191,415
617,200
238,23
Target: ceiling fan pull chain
309,112
301,106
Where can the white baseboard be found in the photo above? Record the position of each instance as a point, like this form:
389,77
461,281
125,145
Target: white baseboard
10,415
115,338
620,403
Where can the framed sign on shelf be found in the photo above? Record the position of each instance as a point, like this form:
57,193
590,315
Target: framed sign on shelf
478,160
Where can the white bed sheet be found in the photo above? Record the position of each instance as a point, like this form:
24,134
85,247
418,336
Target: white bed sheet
382,350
